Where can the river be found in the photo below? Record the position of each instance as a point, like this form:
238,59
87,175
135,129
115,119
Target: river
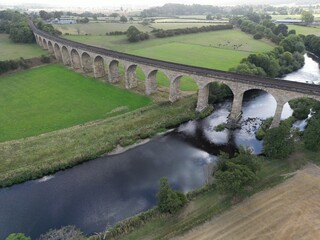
99,193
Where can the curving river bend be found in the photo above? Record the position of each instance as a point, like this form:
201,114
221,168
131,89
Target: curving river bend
101,192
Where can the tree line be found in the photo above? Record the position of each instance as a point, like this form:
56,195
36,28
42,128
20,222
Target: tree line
283,59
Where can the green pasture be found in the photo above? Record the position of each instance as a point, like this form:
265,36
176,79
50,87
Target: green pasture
297,16
202,56
305,30
182,24
100,28
10,50
52,97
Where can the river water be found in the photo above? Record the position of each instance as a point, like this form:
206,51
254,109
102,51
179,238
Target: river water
99,193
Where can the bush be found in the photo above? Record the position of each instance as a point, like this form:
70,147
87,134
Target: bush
170,201
278,142
17,236
257,36
45,59
311,134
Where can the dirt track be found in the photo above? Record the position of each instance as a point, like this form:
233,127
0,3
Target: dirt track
289,211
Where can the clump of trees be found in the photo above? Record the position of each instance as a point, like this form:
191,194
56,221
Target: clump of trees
16,25
9,65
307,17
83,20
312,44
47,28
134,35
169,200
278,142
235,175
160,33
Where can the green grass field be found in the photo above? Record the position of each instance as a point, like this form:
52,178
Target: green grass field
298,16
11,50
100,28
52,97
305,30
219,49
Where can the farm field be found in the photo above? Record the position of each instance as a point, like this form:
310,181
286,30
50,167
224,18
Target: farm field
232,45
11,50
100,28
298,16
305,30
287,211
52,97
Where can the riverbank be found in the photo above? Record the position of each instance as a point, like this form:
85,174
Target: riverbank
209,204
34,157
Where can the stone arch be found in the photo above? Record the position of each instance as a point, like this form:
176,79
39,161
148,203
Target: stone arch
45,44
151,82
50,47
57,52
75,59
131,79
65,56
87,62
114,74
99,67
268,102
177,85
40,42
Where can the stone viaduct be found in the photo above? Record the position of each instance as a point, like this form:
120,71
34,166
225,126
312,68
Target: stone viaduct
104,63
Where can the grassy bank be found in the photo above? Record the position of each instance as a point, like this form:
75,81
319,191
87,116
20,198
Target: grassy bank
52,97
211,203
34,157
11,50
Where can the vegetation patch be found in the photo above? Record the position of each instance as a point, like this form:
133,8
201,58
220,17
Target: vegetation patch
52,97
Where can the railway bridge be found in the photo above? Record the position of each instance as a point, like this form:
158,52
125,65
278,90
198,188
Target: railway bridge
104,63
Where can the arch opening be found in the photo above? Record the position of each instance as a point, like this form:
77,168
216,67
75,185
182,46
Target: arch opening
114,73
65,56
44,45
180,85
131,77
50,47
87,62
76,60
99,67
57,52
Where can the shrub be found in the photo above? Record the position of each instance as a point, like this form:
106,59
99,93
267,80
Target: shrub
170,201
17,236
64,233
257,36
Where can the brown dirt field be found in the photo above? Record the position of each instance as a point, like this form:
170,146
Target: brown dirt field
289,211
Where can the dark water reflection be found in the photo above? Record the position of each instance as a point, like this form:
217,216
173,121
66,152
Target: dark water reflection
101,192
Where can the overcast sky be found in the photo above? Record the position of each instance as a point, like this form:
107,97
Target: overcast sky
93,3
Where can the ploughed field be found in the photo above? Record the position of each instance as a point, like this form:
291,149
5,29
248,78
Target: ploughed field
288,211
11,50
219,49
53,97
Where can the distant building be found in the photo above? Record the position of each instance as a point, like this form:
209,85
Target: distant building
288,21
63,21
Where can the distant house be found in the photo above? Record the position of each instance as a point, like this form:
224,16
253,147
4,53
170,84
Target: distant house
63,21
288,21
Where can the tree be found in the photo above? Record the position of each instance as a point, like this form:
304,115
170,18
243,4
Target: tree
123,19
20,32
45,15
57,14
311,134
278,142
169,201
235,174
307,17
133,34
209,17
17,236
114,15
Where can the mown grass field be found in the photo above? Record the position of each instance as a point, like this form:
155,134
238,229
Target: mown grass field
297,16
305,30
10,50
219,50
52,97
101,28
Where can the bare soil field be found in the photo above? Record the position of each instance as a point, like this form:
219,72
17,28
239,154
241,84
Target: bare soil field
289,211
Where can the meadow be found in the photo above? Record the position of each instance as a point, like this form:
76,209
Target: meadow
305,30
201,49
11,50
53,97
